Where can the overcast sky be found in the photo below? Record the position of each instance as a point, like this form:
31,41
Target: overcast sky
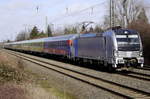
16,15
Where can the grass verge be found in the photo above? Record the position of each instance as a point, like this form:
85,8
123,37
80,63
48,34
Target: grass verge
18,82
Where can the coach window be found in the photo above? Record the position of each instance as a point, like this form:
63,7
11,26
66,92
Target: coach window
59,44
51,44
38,44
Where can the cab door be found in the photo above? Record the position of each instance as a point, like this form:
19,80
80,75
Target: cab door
109,49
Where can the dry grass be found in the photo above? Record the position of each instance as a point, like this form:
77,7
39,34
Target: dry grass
37,92
17,83
11,91
9,74
11,78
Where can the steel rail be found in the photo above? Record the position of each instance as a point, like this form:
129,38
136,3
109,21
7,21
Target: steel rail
143,68
132,75
140,74
110,86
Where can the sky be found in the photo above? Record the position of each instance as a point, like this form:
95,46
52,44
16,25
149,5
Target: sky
19,15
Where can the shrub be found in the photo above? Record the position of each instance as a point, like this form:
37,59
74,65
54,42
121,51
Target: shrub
8,73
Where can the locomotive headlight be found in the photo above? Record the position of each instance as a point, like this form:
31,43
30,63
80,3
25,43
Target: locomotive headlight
141,53
140,60
115,53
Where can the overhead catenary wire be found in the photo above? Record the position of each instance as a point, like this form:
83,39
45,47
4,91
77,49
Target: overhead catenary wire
147,7
75,13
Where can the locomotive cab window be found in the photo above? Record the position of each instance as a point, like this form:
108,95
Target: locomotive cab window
128,42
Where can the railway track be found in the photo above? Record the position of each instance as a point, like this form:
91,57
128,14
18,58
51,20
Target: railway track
115,88
136,75
144,68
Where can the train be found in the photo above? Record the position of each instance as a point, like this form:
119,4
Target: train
115,48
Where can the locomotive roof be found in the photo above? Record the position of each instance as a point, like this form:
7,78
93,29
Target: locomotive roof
27,41
124,31
57,38
88,35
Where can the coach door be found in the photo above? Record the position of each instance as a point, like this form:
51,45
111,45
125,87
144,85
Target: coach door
75,48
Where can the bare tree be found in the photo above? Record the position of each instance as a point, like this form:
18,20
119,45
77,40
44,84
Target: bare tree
49,31
21,36
98,29
125,11
70,30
